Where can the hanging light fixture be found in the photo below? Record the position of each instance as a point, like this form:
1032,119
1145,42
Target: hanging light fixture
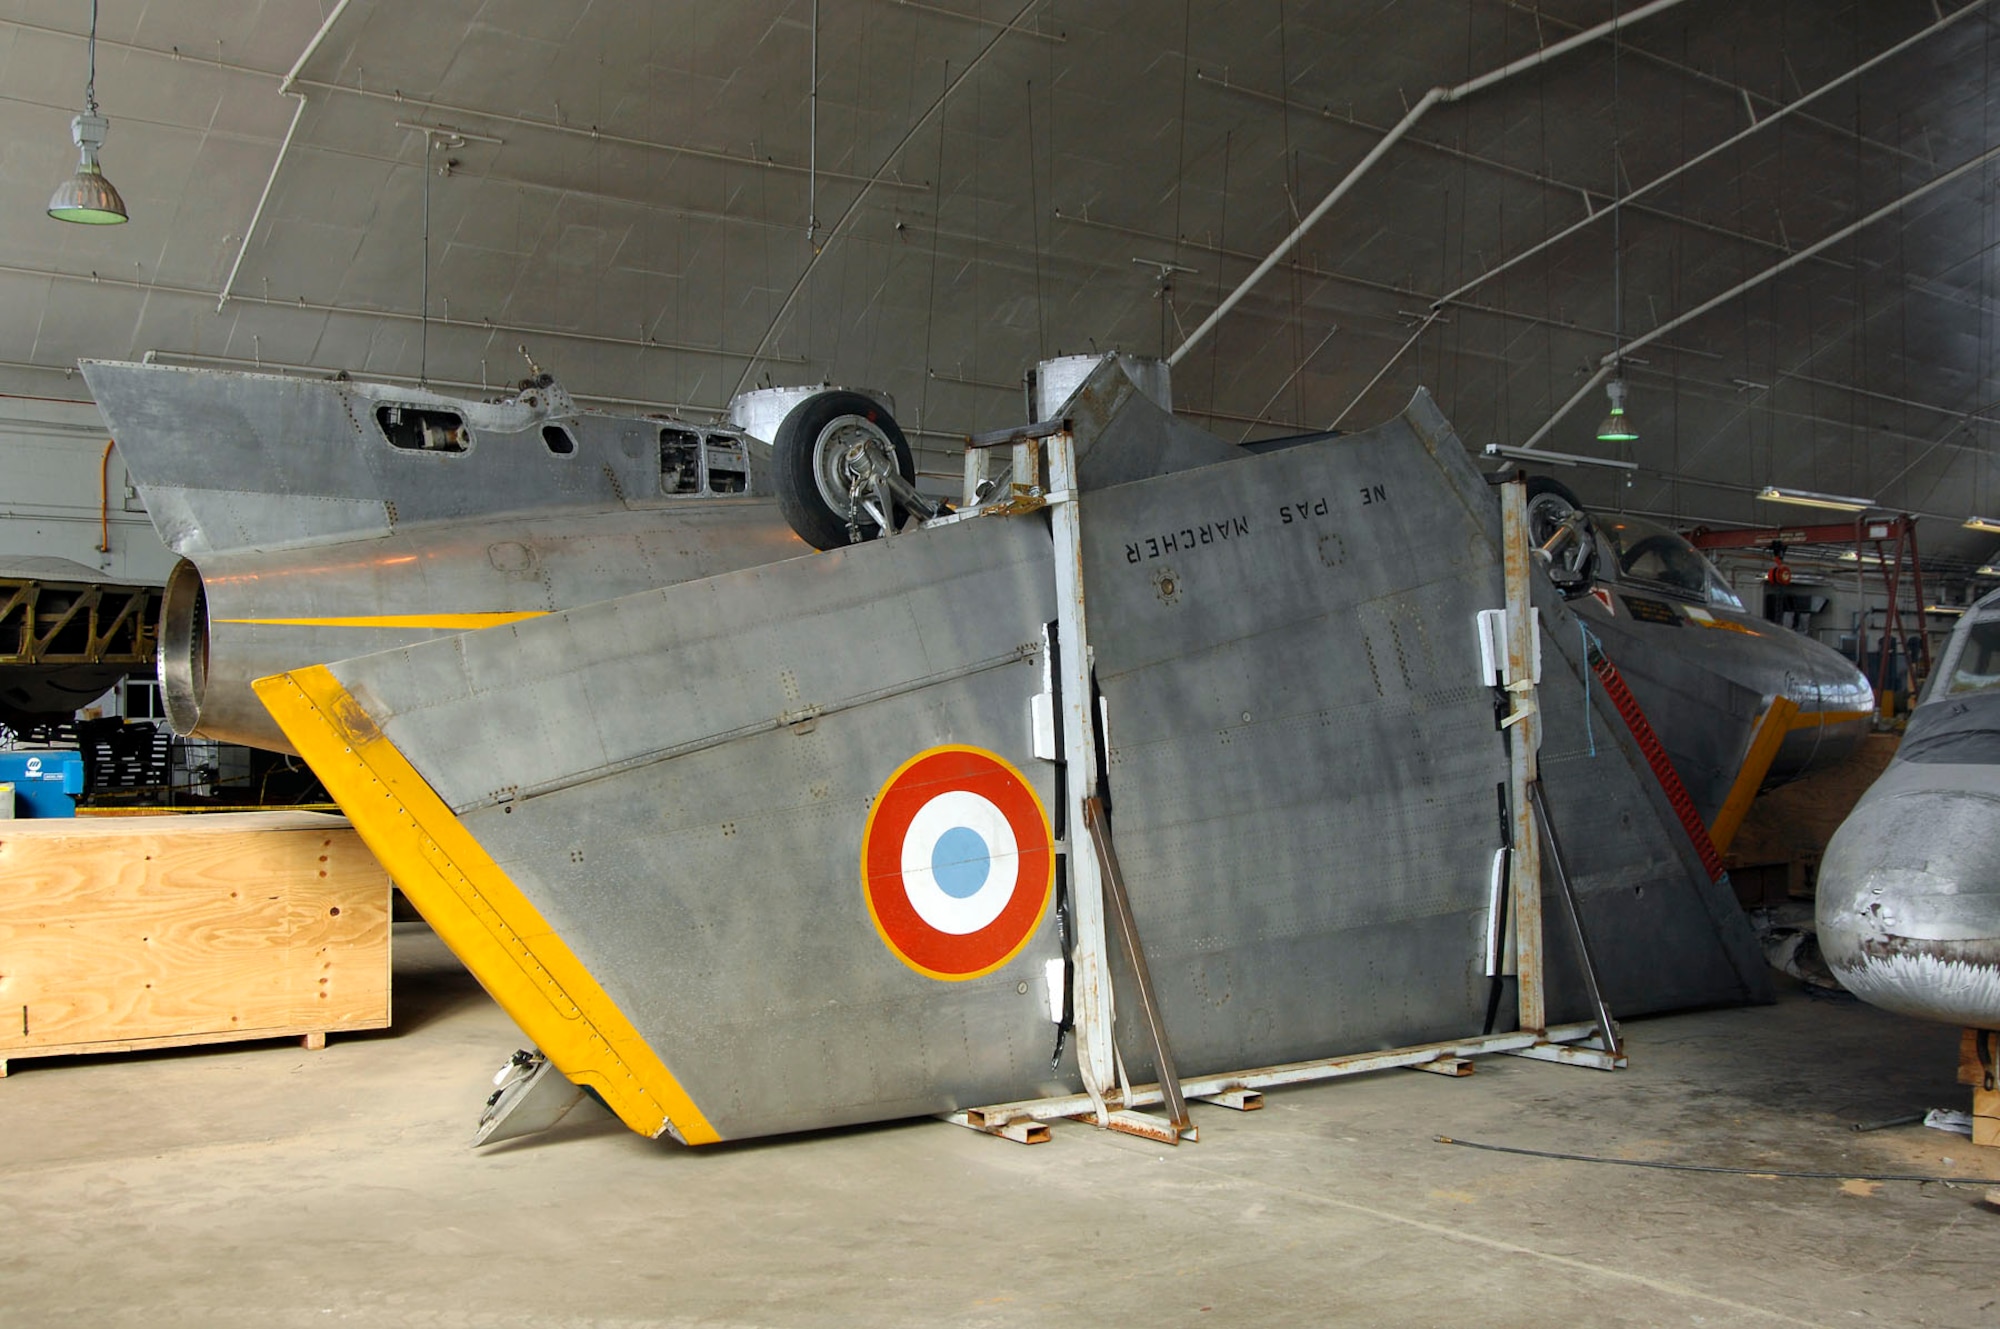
87,196
1616,428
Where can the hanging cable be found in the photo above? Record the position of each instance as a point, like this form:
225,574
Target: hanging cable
1035,221
1714,1168
1617,215
930,292
812,140
424,323
90,83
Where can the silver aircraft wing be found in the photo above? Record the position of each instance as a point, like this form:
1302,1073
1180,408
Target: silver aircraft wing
772,850
1305,767
640,823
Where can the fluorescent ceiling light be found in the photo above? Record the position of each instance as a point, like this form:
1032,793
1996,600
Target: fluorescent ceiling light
1986,524
1560,458
1987,570
1850,556
1807,498
1944,609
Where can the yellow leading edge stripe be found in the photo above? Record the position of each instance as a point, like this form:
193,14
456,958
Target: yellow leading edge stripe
476,908
1815,719
441,622
1781,718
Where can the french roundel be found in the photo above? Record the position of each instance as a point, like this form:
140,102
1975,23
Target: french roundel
956,862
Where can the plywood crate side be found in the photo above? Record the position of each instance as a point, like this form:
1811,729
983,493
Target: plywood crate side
152,930
1986,1116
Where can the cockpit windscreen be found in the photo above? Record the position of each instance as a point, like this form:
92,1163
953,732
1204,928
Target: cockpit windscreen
1976,665
1655,555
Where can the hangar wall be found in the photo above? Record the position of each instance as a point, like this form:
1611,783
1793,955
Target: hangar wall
49,502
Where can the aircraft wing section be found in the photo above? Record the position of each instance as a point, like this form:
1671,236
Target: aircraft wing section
1121,435
1305,771
641,822
774,850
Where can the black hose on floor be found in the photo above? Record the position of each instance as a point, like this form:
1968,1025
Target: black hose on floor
1710,1167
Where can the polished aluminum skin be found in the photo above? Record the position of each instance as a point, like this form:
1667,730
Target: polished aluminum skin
1909,889
307,535
1704,669
1303,772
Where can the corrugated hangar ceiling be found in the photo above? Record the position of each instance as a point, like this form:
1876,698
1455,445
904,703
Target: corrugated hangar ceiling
647,198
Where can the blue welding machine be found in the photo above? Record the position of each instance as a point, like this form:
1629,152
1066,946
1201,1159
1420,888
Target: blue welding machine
46,782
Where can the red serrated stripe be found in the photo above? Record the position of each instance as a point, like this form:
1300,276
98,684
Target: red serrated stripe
1656,757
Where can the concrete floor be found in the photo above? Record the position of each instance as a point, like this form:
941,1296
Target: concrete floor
265,1185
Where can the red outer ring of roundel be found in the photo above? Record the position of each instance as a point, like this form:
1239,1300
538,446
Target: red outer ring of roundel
916,943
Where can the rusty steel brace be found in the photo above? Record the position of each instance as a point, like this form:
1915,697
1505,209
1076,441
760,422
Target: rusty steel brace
1179,1122
1566,892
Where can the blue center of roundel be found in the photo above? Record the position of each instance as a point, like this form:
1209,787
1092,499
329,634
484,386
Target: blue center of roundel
961,862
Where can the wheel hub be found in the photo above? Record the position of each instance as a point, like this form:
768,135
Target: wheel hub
851,459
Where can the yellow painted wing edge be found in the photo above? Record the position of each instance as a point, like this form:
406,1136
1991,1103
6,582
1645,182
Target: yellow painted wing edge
476,908
1779,719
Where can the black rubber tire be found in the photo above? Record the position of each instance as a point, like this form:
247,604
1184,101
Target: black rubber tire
792,471
1548,484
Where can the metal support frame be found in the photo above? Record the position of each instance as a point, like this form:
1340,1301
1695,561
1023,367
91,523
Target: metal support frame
1608,363
1524,727
1531,824
1631,196
1441,93
1853,532
284,147
1569,1044
81,624
1044,476
1916,668
1607,1028
1135,951
1096,1053
1889,543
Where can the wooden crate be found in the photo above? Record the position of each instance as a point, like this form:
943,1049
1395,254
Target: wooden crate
140,932
1972,1071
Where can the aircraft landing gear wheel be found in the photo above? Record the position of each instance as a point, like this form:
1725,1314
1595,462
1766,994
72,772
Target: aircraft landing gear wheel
840,465
1550,505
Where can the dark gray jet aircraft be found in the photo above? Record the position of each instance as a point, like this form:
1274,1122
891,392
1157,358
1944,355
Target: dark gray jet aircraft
1704,670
